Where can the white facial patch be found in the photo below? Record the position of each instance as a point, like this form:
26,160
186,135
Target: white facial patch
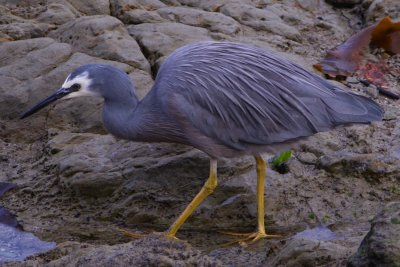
84,81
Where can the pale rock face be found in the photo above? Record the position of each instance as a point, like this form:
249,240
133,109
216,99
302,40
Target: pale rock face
213,21
104,37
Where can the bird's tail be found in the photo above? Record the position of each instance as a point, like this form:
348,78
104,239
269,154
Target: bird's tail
353,108
375,112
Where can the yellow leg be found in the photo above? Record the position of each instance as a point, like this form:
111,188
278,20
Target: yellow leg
205,191
250,238
261,172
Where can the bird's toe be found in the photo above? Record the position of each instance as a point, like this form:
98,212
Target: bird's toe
249,238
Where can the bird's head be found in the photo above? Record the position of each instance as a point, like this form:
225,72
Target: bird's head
88,80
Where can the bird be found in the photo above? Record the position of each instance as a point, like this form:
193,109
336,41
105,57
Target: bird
226,99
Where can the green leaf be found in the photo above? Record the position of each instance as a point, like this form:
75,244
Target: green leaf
281,158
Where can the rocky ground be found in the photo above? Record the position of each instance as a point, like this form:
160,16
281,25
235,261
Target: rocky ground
78,186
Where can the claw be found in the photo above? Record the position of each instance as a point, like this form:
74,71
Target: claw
235,234
131,234
249,238
170,236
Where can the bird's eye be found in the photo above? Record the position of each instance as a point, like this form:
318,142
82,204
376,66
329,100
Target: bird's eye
75,87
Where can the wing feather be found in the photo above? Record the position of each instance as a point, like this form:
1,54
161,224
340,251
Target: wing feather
241,95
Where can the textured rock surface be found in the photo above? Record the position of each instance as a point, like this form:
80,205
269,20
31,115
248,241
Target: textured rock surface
104,37
160,39
151,251
260,19
137,11
58,12
381,246
78,184
23,61
308,253
92,7
215,22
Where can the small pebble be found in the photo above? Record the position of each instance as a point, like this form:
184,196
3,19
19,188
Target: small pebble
372,91
390,114
307,158
352,80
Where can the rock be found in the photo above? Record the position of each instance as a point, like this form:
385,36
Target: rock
381,246
261,20
104,37
137,11
6,17
87,175
372,91
137,4
214,5
25,30
307,158
17,28
161,39
22,62
138,16
378,9
297,253
154,250
352,80
57,13
23,8
122,8
171,2
323,143
298,19
92,7
391,113
215,22
367,166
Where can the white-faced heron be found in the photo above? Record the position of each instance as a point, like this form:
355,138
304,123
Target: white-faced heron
226,99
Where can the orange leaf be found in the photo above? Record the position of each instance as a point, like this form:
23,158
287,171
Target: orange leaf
346,58
387,35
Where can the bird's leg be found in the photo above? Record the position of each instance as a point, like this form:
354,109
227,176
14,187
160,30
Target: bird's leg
205,191
249,238
261,172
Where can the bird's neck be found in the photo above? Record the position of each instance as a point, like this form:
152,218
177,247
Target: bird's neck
118,114
140,121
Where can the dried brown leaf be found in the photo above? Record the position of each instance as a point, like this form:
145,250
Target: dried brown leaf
387,35
345,59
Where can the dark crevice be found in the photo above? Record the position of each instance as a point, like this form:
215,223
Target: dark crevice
150,58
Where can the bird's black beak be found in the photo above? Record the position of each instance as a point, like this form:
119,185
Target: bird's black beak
57,95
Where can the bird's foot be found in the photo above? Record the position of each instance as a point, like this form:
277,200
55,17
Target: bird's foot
249,238
170,236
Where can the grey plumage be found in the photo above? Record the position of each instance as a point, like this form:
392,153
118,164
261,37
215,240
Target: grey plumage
226,99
